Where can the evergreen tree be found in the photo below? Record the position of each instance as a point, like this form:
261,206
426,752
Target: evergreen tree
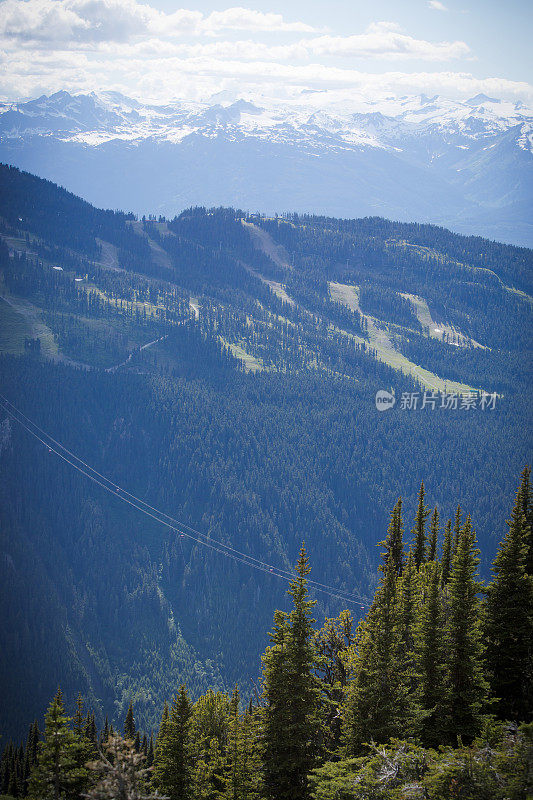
105,733
234,773
208,780
419,530
78,720
91,735
162,730
393,544
291,692
150,753
172,766
464,649
129,724
509,621
30,754
332,642
378,705
456,530
446,563
243,767
407,601
433,536
431,657
527,507
57,774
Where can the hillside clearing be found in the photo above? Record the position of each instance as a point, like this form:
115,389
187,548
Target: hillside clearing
380,341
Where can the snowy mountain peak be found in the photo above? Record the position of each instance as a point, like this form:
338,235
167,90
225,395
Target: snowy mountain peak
480,99
361,122
413,157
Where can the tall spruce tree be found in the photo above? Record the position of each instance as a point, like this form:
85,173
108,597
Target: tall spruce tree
408,590
150,752
57,774
433,535
527,506
129,724
431,657
464,645
509,620
447,547
30,754
243,764
292,696
419,530
332,642
104,736
378,704
456,529
393,544
162,729
173,761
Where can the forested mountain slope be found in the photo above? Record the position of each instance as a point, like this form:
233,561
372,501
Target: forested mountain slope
250,415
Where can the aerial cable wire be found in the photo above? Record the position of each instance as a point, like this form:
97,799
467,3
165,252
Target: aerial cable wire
159,516
352,596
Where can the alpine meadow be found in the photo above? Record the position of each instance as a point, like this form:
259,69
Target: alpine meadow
266,315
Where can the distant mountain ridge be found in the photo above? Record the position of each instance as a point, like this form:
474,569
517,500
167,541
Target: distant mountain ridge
463,165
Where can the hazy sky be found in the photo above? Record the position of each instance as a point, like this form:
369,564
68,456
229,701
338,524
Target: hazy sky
163,50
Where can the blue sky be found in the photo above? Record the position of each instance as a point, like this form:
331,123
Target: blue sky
163,49
498,32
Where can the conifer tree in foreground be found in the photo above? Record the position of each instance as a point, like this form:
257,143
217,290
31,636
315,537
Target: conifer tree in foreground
433,536
291,692
172,767
243,767
464,648
378,705
393,544
332,642
162,730
430,644
509,621
456,529
129,724
57,774
527,507
419,530
446,562
408,586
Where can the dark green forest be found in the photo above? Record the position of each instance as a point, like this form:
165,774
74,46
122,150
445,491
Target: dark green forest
429,696
206,365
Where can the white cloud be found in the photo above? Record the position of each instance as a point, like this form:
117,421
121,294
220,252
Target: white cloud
132,47
173,77
382,42
245,19
385,40
60,21
437,5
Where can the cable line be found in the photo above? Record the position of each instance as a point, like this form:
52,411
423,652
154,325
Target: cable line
184,530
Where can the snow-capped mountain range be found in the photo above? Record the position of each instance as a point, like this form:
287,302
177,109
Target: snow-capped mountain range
466,165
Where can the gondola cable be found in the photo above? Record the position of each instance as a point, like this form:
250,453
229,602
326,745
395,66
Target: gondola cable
181,528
